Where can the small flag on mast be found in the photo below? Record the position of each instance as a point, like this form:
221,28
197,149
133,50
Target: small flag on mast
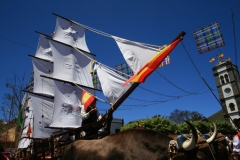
165,62
212,60
87,99
220,56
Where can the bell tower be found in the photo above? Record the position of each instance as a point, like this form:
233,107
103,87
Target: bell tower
227,81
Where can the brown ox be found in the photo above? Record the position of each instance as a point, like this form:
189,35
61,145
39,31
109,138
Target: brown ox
216,149
138,144
219,147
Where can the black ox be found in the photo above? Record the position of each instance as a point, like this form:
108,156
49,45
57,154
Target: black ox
141,144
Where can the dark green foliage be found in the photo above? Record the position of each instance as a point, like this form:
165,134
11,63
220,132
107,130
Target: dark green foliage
164,125
225,127
157,123
205,127
217,116
202,126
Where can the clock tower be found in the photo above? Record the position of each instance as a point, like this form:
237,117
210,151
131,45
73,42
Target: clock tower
227,81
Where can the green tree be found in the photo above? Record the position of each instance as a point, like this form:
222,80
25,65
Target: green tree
225,127
12,100
164,125
156,123
205,127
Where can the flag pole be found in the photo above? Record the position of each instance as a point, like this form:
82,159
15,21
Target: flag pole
108,115
134,86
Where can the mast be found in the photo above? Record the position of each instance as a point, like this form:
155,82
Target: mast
134,86
68,59
125,95
72,83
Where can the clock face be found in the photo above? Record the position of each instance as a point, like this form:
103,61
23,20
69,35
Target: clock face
227,90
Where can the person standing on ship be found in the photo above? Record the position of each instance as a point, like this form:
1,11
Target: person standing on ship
90,114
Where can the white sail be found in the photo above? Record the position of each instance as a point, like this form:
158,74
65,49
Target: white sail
135,54
42,113
111,83
67,106
70,33
28,120
41,84
70,65
24,142
74,66
44,49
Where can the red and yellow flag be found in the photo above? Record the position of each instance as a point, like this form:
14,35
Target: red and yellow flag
87,99
220,56
29,131
212,60
146,70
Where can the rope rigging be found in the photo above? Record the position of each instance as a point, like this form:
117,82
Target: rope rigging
234,37
173,96
151,102
17,43
207,84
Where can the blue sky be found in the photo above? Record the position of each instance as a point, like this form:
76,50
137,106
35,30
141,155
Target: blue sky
154,21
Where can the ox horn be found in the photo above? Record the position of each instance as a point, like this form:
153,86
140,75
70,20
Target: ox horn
190,144
209,140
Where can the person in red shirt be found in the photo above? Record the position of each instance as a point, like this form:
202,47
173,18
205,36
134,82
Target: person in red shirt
236,140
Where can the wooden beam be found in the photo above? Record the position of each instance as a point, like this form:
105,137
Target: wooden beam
40,58
40,94
60,80
129,91
50,38
43,34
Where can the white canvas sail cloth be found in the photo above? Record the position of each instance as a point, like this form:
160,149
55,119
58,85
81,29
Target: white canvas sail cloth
28,120
42,113
70,65
24,143
70,33
111,83
44,49
67,106
41,84
135,54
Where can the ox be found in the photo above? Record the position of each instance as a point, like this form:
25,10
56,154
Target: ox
216,144
139,144
216,148
219,147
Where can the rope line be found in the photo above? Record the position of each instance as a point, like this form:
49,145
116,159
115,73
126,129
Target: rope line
208,85
17,43
234,36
